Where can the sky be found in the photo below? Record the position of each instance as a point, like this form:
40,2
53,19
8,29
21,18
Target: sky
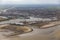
29,1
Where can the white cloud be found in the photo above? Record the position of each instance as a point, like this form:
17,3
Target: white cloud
29,1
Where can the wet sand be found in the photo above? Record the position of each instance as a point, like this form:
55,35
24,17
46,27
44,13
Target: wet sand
52,33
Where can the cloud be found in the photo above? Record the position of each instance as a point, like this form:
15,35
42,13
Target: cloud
29,2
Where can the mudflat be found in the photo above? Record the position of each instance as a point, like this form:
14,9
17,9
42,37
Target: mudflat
52,33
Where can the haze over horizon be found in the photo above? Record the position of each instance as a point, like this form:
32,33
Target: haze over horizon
29,1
